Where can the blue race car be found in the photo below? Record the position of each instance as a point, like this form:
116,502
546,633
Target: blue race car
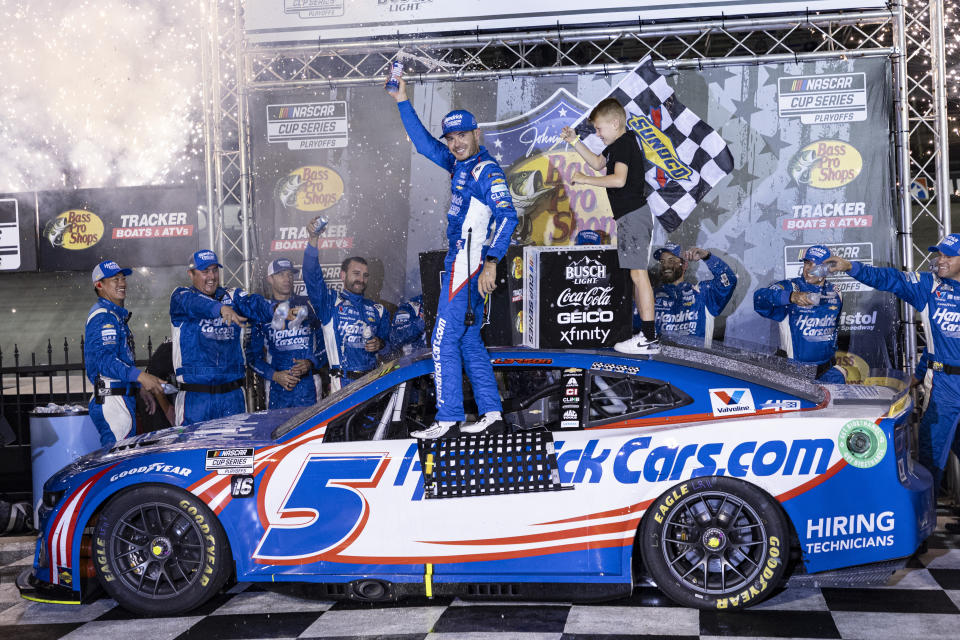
713,474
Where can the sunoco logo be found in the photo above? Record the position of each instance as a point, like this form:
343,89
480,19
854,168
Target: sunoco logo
310,189
726,402
74,229
658,148
826,164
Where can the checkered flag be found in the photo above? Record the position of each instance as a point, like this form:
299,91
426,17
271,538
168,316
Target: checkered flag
686,158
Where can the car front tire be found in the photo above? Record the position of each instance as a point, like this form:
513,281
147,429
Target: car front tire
715,543
160,550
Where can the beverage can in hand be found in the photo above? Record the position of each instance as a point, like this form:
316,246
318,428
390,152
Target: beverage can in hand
367,332
396,70
280,316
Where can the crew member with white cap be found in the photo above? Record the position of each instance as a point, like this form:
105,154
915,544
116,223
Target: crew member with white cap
807,308
936,295
108,358
207,323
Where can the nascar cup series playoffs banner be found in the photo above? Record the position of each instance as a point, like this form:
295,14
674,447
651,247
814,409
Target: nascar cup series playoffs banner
811,164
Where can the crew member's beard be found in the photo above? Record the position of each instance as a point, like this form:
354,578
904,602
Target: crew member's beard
669,275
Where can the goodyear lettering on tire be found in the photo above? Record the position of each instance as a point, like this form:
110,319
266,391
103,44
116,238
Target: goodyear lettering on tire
761,583
210,557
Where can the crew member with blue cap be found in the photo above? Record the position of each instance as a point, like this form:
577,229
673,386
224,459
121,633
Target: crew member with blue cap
207,324
288,355
480,221
936,295
807,308
685,308
108,358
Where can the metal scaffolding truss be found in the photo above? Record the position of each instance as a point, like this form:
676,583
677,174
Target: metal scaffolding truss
903,32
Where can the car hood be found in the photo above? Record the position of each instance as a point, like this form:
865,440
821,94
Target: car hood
244,429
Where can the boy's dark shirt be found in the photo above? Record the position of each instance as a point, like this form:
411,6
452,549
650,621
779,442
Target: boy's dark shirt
631,196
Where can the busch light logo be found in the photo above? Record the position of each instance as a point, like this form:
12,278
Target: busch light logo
726,402
586,271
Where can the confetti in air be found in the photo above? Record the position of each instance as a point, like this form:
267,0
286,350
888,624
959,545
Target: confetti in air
99,92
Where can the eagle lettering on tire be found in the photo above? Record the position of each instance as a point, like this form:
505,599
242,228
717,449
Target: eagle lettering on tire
715,543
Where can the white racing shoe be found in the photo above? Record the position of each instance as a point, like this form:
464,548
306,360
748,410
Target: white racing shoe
438,430
488,420
638,345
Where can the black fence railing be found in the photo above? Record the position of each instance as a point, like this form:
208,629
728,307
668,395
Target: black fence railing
28,383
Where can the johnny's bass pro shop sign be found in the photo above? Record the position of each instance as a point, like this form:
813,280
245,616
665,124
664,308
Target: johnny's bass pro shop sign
574,297
137,226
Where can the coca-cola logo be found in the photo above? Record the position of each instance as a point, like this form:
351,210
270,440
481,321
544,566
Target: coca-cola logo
593,297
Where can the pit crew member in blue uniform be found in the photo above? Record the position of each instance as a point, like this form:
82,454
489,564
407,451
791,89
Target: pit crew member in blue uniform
289,358
690,309
936,296
207,323
480,199
108,358
807,309
355,328
407,333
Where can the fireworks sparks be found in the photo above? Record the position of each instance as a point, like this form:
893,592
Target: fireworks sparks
98,92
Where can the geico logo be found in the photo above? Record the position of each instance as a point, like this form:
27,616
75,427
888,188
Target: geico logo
576,317
636,461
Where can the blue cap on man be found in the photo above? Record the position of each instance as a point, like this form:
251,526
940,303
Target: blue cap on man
458,120
280,264
816,254
949,246
589,236
669,247
203,259
108,269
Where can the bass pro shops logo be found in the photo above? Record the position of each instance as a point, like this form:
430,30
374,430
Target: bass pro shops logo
826,164
312,188
727,402
74,229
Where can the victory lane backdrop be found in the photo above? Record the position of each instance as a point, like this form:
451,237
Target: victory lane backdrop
341,154
136,226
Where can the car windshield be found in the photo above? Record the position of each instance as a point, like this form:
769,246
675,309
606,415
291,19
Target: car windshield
335,397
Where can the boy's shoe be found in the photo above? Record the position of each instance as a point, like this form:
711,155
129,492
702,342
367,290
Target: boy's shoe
438,430
638,344
490,419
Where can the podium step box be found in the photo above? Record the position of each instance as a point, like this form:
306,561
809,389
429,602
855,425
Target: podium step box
487,464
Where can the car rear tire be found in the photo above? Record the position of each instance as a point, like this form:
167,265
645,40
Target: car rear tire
715,543
160,550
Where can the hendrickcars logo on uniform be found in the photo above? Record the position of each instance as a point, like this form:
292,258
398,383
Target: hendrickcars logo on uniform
74,229
826,164
310,188
153,225
728,402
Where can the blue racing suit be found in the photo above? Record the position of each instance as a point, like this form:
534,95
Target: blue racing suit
689,309
208,353
938,301
346,314
408,328
807,334
108,359
282,348
479,197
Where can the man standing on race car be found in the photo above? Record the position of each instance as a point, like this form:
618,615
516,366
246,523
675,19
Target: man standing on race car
479,196
807,309
355,328
936,295
108,358
690,309
294,350
207,323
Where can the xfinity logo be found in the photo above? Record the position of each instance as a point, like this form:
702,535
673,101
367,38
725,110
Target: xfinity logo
727,402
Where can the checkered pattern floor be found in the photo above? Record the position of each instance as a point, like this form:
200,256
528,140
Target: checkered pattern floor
921,601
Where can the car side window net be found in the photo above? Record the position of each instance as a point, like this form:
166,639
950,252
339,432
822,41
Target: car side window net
614,397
